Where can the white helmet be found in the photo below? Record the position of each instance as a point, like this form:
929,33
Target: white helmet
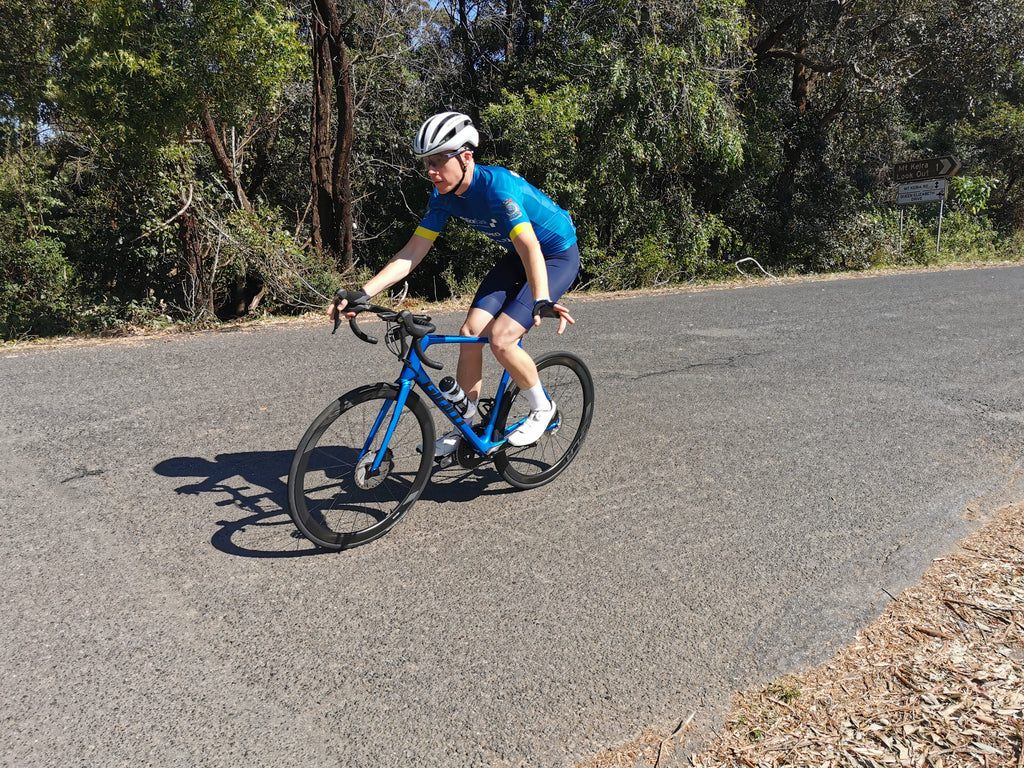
445,132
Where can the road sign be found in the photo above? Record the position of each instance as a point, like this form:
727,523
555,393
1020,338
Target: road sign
922,192
930,168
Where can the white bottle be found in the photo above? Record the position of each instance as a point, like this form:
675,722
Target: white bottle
450,388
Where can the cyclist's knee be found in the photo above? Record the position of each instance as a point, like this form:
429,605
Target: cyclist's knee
504,338
476,323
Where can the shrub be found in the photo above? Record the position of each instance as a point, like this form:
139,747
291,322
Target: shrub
36,289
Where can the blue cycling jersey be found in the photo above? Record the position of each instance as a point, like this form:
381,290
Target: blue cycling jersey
501,204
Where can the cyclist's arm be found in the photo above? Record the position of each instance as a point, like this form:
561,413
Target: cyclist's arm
528,247
398,268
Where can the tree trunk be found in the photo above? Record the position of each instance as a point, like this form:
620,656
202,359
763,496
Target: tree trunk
468,55
331,168
198,291
226,165
342,177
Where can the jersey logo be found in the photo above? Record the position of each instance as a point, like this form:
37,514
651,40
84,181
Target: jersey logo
511,209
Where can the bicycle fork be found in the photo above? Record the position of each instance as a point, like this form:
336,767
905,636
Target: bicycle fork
394,408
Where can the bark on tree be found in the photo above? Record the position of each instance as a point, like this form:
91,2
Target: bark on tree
331,158
198,290
227,167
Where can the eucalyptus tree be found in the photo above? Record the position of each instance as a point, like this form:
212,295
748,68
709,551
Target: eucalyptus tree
842,89
139,81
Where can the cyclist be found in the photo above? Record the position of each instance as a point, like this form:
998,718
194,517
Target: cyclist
525,285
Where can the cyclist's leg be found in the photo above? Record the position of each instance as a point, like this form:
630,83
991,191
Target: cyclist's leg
501,285
470,368
543,411
469,375
505,333
516,316
510,326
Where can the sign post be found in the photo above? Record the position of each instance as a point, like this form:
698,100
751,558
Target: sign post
924,181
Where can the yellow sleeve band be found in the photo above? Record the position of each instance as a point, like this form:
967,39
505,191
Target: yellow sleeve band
519,229
422,232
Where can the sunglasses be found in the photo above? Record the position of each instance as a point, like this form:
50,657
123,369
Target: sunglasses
436,162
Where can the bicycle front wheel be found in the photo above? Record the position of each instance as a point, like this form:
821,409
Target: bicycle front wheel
570,386
335,498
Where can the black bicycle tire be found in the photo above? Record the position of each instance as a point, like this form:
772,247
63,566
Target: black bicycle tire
506,460
309,522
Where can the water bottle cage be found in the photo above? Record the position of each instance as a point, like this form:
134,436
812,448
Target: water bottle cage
483,408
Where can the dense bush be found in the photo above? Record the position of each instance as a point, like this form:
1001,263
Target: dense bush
155,158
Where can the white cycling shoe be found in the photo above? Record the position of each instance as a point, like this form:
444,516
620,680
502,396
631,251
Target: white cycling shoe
447,444
536,424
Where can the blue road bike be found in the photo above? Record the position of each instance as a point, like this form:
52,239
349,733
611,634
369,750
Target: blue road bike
368,456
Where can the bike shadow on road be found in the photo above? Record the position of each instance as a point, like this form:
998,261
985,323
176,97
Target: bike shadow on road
252,487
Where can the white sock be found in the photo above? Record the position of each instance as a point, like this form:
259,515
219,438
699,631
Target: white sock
536,398
470,413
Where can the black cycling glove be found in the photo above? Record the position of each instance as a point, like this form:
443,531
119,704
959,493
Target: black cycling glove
544,308
356,297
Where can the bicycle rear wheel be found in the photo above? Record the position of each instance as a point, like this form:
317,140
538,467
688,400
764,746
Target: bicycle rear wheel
334,498
570,386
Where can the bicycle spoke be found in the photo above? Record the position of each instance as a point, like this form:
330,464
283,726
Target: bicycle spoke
568,383
334,497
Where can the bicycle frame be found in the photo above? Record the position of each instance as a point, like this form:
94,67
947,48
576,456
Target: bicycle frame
413,373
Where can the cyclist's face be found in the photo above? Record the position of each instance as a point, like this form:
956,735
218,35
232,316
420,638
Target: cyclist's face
443,170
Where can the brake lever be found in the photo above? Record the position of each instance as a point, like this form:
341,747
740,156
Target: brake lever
337,317
357,308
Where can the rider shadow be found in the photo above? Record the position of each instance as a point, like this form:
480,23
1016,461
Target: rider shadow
254,485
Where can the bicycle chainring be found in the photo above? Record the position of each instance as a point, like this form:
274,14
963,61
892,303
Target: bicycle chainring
467,455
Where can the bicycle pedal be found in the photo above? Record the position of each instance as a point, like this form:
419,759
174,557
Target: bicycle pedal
443,462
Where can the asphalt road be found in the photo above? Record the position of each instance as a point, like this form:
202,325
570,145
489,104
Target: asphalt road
766,466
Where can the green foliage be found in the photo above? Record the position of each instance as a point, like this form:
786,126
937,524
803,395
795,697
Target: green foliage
682,136
137,72
974,192
35,290
255,245
537,135
996,140
36,280
641,107
26,32
968,238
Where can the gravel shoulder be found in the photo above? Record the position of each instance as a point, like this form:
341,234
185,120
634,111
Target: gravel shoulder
936,680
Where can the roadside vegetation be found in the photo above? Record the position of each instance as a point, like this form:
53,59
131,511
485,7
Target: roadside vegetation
168,163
